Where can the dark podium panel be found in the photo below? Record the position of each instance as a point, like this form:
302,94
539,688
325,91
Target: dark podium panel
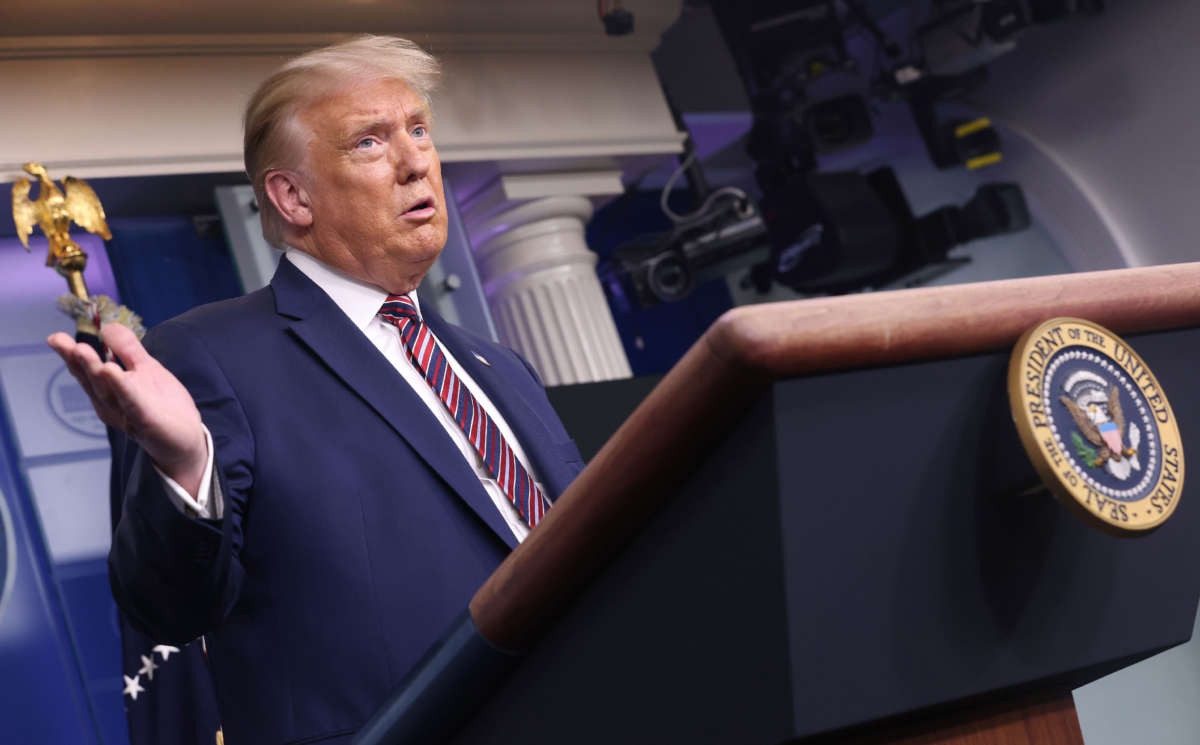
855,549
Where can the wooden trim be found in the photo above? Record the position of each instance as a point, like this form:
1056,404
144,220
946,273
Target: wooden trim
109,168
886,328
1029,720
289,44
722,375
580,148
1032,723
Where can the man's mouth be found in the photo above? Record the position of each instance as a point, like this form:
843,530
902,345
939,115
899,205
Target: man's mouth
421,208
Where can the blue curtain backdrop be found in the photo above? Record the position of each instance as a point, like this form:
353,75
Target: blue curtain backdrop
164,265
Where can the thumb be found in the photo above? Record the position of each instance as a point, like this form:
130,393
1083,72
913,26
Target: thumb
125,345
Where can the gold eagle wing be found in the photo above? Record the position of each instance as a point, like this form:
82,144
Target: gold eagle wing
1089,429
1114,411
84,207
24,210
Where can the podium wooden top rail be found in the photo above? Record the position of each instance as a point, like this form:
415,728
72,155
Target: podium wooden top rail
736,359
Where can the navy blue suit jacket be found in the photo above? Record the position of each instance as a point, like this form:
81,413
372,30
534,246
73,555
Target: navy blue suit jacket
354,532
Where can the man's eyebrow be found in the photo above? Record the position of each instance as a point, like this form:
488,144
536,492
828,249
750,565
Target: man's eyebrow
368,123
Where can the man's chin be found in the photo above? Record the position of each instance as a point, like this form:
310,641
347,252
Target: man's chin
406,277
422,249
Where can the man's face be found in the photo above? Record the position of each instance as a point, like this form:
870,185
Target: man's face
374,184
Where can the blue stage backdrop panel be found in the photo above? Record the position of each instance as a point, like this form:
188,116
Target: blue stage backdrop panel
167,265
59,648
42,698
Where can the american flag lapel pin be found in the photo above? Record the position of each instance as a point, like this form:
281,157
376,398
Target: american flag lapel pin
481,358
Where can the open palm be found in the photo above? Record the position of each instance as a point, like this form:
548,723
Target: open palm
143,400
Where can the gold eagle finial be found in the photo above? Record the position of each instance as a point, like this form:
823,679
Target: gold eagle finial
54,211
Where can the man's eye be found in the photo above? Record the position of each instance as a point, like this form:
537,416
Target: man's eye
366,143
420,131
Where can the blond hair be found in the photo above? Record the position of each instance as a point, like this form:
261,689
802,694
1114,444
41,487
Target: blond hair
270,131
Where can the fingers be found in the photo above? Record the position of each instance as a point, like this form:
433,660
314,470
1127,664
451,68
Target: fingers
125,344
75,355
60,343
116,388
95,376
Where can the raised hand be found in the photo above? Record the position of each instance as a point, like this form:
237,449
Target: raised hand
144,400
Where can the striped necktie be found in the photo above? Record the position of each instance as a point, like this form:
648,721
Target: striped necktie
498,458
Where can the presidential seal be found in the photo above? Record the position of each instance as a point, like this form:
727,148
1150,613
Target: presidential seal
1096,425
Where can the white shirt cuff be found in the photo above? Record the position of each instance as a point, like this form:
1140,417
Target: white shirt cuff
208,503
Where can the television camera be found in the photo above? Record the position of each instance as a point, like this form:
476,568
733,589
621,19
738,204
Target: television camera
835,232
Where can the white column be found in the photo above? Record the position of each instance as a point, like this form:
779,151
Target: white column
541,284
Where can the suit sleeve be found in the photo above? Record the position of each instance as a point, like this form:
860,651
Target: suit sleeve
177,577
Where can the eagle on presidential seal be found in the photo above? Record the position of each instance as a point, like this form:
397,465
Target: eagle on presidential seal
1096,408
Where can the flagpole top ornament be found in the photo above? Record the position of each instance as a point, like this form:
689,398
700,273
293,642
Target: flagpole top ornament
54,211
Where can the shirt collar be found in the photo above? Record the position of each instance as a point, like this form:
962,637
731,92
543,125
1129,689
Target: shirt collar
357,299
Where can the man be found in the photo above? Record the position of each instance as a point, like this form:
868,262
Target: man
306,489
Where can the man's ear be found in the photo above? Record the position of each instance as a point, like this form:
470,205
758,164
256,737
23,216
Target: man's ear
289,197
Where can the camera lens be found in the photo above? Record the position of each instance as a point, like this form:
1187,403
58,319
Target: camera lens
669,278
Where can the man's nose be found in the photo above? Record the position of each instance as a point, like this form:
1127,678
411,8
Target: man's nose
412,161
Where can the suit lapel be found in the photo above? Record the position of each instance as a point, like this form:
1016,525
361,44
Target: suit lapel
510,399
320,325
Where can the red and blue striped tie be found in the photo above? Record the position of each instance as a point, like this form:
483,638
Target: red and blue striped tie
498,458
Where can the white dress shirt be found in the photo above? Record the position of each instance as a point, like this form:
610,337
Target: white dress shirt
361,303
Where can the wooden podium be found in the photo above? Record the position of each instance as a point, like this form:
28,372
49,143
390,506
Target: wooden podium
817,528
